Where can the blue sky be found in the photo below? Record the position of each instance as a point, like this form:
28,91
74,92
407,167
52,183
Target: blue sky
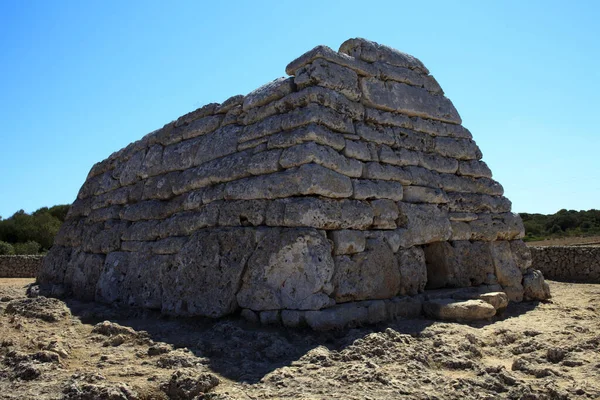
81,79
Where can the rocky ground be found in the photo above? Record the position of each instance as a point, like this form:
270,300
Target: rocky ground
55,350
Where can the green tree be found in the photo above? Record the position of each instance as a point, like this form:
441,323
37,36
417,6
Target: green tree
6,249
29,247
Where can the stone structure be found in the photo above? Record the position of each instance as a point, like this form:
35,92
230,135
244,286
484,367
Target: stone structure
21,266
568,263
324,196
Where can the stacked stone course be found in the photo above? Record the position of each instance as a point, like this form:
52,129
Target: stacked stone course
352,180
20,266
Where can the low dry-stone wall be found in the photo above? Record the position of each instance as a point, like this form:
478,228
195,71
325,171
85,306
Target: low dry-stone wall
351,181
568,263
20,266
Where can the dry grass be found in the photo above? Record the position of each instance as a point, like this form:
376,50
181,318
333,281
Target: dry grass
569,241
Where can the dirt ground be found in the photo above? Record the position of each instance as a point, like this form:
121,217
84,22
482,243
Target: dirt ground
568,241
53,350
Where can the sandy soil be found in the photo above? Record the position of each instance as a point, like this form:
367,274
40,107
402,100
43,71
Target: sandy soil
53,350
569,241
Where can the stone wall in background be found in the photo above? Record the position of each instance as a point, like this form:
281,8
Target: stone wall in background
20,266
568,263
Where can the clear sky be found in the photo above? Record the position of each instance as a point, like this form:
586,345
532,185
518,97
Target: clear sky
81,79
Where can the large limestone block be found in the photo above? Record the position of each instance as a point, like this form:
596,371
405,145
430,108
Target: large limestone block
455,310
269,92
409,100
508,273
85,275
461,149
478,203
315,113
223,169
347,241
54,265
535,287
311,94
326,53
207,273
421,194
132,279
413,270
385,214
324,73
372,274
522,254
375,133
365,189
323,155
371,52
290,269
309,179
327,214
474,168
309,133
425,223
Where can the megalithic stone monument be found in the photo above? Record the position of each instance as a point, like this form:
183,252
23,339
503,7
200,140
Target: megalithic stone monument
331,197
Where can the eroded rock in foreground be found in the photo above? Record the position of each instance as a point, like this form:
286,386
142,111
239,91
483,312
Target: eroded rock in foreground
327,198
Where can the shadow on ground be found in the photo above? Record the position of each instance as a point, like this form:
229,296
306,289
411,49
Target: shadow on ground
243,351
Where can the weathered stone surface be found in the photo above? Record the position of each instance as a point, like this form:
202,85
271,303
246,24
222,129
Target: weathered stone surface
478,203
425,223
323,155
453,310
385,214
375,133
372,274
438,163
330,75
347,241
421,194
474,168
457,264
328,54
461,149
309,179
201,126
506,269
522,254
314,113
413,270
409,100
413,140
327,214
213,261
370,51
290,269
359,150
466,184
309,133
229,104
373,170
311,94
534,286
365,189
243,213
269,92
499,300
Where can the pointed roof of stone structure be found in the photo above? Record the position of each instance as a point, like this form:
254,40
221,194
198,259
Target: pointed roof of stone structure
335,196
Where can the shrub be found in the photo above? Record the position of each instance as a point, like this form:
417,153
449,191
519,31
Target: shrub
6,249
29,247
